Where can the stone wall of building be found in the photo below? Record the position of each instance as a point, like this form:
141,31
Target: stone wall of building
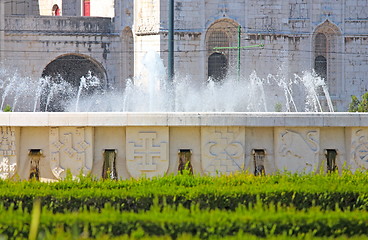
2,26
17,7
288,30
123,24
28,52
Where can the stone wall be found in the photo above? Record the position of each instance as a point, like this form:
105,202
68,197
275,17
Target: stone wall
28,52
287,28
151,144
2,27
18,7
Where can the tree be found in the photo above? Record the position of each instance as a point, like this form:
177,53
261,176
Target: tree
357,105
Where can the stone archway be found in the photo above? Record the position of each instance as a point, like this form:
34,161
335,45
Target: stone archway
68,77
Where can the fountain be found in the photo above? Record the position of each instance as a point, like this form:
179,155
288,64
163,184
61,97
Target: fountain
226,127
151,93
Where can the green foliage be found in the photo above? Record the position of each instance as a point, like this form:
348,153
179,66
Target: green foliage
357,105
173,221
184,206
7,109
224,192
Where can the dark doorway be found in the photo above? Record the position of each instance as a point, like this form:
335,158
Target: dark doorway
320,66
217,67
63,78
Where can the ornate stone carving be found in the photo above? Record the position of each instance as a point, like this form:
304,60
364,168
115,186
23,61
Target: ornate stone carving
359,147
223,149
298,10
297,150
70,148
147,152
357,12
268,23
8,158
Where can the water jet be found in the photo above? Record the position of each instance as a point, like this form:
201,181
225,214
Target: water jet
224,125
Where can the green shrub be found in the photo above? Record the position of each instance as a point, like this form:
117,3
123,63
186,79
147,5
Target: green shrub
7,109
357,105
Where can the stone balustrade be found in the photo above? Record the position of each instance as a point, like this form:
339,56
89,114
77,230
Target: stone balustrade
58,25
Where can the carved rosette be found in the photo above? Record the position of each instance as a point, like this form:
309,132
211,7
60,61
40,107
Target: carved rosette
147,152
222,149
8,158
359,147
71,148
297,150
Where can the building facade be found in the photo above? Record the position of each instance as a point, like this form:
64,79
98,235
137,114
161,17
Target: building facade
113,37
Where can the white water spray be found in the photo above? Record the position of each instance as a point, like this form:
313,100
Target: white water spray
150,93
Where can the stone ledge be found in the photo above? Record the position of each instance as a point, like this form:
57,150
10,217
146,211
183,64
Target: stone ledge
116,119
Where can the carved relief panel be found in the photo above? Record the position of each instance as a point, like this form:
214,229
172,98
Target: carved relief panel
147,151
359,147
222,149
71,148
8,158
298,10
356,10
297,149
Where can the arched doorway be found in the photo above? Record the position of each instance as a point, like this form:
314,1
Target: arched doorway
217,67
68,77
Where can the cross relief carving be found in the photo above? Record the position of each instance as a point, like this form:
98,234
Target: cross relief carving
223,150
147,153
69,148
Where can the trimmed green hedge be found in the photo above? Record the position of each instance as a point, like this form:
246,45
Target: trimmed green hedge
347,191
280,206
172,221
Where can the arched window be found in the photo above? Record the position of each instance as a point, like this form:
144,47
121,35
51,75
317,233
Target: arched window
320,66
321,44
217,67
320,61
217,39
327,43
221,34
